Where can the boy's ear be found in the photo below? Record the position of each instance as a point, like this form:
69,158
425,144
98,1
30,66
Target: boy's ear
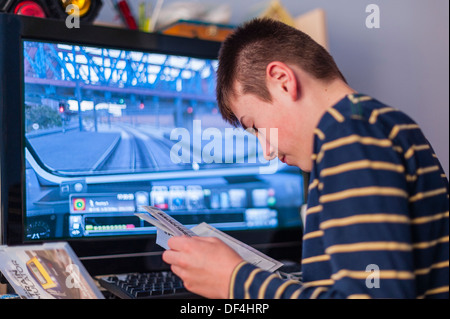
282,78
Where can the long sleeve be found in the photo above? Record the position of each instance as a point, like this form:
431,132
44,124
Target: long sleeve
377,218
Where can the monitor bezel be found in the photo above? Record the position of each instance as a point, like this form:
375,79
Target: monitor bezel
99,255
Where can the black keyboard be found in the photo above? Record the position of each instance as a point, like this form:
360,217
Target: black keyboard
162,284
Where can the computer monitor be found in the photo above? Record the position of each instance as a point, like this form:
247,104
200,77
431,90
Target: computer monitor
98,122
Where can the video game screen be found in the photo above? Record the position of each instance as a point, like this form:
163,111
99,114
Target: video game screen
110,130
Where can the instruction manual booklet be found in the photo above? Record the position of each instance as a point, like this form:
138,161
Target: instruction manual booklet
167,227
48,271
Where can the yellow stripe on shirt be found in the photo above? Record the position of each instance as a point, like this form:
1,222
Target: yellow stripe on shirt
365,218
361,165
369,246
313,184
422,171
317,292
426,271
383,274
337,116
437,290
314,234
427,194
376,112
427,219
410,152
428,244
359,296
315,259
357,99
379,218
350,140
283,287
313,210
363,191
249,281
399,127
262,289
233,278
319,134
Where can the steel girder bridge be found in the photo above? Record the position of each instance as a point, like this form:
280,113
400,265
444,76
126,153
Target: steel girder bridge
149,81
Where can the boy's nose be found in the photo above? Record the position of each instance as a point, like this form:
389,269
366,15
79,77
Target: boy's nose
270,156
269,146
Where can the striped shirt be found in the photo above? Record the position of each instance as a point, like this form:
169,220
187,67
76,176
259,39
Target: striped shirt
377,214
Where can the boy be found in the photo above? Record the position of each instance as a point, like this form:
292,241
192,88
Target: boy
377,217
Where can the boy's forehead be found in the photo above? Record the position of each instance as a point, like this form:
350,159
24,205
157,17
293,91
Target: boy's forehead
236,91
238,96
235,96
239,103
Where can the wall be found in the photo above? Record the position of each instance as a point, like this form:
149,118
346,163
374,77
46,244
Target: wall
404,63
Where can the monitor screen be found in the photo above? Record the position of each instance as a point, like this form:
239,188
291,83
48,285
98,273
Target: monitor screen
97,122
109,130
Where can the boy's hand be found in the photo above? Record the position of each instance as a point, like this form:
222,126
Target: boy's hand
205,264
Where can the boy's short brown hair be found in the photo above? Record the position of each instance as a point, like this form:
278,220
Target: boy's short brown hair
245,54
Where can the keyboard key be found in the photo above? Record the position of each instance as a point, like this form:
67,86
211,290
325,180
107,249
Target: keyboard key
142,293
145,285
157,291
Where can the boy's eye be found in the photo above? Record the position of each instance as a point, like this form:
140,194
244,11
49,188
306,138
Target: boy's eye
250,129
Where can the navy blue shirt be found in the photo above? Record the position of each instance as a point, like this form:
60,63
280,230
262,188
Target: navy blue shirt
377,213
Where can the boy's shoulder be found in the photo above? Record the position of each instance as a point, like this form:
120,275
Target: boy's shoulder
363,112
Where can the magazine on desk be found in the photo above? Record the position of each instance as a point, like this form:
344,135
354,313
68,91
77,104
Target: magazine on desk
48,271
168,227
